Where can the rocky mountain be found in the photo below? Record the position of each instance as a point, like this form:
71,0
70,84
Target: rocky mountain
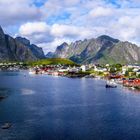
18,49
103,49
50,55
37,51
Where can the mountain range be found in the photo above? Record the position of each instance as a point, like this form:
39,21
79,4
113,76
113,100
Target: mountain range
18,49
103,49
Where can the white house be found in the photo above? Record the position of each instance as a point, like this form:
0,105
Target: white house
83,67
100,69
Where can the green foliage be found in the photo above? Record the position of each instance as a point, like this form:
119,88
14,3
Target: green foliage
130,74
126,74
118,66
100,73
130,70
112,70
52,61
138,76
115,68
90,71
85,73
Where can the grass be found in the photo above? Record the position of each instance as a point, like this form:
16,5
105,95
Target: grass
52,61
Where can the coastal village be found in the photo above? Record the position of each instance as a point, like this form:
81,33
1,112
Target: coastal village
127,75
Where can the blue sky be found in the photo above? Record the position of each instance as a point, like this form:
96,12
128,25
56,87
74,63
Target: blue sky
48,23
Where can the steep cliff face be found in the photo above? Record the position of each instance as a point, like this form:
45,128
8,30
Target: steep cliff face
103,49
37,51
61,51
3,47
18,49
125,52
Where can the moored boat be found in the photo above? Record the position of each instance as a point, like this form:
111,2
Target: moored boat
6,126
110,84
32,71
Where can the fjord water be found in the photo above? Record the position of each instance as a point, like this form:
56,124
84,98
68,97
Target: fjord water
42,107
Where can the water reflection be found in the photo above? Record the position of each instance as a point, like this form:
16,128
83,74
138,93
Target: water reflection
64,108
25,91
128,90
6,73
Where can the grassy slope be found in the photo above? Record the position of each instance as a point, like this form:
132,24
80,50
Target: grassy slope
52,61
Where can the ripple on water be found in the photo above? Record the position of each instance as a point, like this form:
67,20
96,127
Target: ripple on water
25,91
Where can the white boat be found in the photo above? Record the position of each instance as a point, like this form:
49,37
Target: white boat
32,71
110,84
132,88
55,74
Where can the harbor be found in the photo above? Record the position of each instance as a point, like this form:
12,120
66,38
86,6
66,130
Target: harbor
125,75
128,76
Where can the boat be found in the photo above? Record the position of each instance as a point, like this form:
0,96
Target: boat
6,126
55,74
110,84
133,88
32,71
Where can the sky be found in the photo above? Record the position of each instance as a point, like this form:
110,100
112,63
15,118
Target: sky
48,23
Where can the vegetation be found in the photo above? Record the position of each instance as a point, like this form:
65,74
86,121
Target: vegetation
115,68
52,61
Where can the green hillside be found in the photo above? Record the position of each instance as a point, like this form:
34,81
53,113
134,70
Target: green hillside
52,61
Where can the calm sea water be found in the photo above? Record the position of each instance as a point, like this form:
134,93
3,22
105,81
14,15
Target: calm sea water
43,107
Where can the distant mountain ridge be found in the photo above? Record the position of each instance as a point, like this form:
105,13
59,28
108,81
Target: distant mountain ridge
103,49
18,49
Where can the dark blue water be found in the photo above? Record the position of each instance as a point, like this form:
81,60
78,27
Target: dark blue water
57,108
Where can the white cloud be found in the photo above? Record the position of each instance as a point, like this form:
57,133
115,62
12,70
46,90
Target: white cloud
100,12
31,28
17,11
62,30
52,36
37,32
69,20
128,21
70,2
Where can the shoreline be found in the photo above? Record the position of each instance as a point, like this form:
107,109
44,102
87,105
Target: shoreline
75,75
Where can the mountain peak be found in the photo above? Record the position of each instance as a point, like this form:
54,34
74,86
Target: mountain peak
37,51
106,37
23,40
50,55
62,46
103,49
1,31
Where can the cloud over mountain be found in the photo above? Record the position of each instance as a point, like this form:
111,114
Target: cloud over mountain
49,22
